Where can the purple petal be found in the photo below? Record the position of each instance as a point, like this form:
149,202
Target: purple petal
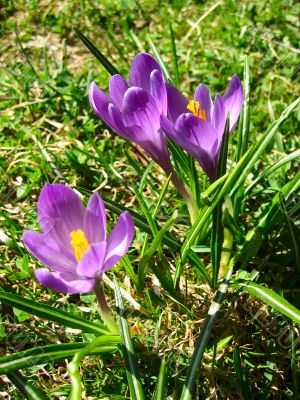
219,116
200,139
202,95
177,103
102,105
117,89
60,211
90,265
140,71
99,102
168,127
119,240
233,100
50,252
158,90
117,121
197,131
94,223
139,108
59,202
58,283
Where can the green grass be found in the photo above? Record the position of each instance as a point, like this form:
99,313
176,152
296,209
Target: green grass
44,76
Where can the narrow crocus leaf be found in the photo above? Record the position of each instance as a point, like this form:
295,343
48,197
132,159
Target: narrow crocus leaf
134,381
175,59
74,365
254,238
159,59
245,115
42,355
97,53
242,375
51,313
217,225
270,170
236,178
162,382
25,388
156,243
271,298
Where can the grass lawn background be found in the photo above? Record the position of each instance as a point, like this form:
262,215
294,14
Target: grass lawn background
44,77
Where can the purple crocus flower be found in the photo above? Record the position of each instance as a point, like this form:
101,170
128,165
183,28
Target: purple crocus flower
198,126
73,242
133,110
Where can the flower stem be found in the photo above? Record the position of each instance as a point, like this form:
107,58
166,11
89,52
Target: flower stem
105,311
186,195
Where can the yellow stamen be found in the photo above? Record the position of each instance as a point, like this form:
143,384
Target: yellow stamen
79,243
194,106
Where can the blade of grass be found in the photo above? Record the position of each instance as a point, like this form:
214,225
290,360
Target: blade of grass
41,355
174,53
25,388
51,313
160,60
270,170
134,382
242,375
162,382
97,53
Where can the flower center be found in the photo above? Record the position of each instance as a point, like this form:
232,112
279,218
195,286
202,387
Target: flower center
79,243
194,106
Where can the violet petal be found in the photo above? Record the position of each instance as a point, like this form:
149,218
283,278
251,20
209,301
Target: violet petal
158,90
117,89
57,283
141,68
50,252
139,108
233,100
177,103
219,116
94,223
119,240
202,95
90,265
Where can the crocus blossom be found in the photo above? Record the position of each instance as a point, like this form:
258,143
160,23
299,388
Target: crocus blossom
198,125
73,243
133,109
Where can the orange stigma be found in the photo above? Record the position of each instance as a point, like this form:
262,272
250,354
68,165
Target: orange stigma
79,243
194,106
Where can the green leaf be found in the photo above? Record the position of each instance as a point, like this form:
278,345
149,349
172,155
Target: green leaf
271,298
134,382
145,261
51,313
25,388
97,53
162,382
217,235
175,59
242,375
160,60
236,178
270,170
41,355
